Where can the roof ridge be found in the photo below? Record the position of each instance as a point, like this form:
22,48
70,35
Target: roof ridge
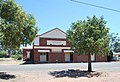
50,31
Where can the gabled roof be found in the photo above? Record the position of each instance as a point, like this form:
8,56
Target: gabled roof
54,33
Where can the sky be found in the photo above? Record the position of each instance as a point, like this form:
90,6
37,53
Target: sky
50,14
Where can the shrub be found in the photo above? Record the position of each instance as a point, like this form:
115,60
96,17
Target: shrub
3,54
110,56
17,56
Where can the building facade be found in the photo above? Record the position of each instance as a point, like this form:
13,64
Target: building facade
52,46
116,56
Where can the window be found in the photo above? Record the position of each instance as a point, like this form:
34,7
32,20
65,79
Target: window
44,53
55,42
40,53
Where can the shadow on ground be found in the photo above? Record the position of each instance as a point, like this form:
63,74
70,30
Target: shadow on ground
27,62
5,76
74,73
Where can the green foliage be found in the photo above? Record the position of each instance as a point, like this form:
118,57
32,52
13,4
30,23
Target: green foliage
116,47
17,56
3,54
89,37
110,56
17,27
114,42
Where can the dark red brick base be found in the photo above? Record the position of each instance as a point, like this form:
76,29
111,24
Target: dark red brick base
59,57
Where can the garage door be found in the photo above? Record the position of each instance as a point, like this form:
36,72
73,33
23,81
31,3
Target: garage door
43,57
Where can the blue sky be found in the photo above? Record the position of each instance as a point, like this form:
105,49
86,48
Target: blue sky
61,13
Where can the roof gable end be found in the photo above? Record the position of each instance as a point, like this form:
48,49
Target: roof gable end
54,33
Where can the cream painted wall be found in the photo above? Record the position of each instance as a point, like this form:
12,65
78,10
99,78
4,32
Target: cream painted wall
56,33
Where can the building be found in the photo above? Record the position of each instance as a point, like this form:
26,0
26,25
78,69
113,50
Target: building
116,56
52,46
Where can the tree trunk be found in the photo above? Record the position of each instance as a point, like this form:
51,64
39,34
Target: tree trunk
89,63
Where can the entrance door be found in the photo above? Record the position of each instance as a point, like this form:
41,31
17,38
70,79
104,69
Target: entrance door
28,54
43,57
67,57
93,57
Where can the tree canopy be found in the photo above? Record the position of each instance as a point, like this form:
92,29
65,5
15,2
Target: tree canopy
16,26
89,37
114,42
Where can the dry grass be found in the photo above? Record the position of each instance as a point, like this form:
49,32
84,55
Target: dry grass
10,61
56,76
45,77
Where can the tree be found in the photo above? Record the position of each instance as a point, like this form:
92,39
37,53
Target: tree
114,42
89,37
3,53
16,26
117,47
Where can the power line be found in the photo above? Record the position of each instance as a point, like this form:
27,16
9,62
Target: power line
95,6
